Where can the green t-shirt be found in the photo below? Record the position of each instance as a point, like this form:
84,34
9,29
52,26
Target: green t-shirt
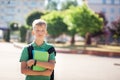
24,57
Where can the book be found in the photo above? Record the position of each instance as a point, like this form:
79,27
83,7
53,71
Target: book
40,56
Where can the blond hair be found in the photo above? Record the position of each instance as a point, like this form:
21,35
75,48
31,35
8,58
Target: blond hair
39,22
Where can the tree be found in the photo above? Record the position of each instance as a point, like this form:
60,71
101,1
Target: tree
14,26
82,20
23,31
6,35
32,16
116,31
56,26
68,20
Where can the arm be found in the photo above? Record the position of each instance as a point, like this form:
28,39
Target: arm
49,65
25,70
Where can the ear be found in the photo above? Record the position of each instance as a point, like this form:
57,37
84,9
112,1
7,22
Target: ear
33,32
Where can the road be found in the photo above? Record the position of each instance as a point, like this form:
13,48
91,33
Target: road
68,66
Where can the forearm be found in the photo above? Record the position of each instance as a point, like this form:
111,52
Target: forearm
48,65
28,71
35,73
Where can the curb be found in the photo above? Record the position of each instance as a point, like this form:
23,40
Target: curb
103,53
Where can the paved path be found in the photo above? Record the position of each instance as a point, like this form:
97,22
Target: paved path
68,66
86,67
9,62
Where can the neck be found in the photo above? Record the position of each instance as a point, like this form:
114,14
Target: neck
39,42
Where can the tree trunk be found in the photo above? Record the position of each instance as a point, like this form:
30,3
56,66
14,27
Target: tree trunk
73,40
88,39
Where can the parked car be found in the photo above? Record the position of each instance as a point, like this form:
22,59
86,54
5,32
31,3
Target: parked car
61,40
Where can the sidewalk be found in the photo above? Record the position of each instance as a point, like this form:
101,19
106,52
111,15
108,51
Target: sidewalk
88,50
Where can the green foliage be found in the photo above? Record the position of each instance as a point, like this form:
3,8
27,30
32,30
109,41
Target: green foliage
14,26
32,16
7,35
23,31
82,20
56,26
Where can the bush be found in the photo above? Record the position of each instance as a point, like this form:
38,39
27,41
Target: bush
23,31
7,35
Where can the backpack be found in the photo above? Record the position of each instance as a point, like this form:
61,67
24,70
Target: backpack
50,50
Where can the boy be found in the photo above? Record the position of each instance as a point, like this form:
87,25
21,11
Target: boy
39,32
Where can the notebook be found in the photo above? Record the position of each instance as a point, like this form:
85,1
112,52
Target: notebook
40,56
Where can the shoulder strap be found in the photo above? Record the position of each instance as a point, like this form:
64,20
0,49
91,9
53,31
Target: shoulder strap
51,50
30,48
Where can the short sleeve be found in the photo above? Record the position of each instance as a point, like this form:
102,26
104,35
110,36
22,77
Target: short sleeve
24,54
52,56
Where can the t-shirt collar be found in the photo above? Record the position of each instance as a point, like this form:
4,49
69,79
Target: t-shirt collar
35,45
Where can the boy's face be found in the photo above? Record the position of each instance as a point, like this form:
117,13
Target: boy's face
40,32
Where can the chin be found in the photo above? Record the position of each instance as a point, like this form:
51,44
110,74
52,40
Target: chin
40,38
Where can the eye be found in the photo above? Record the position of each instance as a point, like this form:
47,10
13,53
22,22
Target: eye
42,30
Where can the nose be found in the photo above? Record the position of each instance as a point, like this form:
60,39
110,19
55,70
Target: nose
40,32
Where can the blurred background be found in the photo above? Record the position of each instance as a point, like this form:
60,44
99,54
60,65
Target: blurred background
67,20
74,26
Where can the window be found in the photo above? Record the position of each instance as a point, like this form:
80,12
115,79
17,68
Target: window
10,10
104,10
108,1
112,2
41,4
112,10
2,2
104,1
25,3
8,18
117,2
33,4
12,3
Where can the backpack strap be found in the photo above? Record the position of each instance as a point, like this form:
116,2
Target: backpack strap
30,55
51,50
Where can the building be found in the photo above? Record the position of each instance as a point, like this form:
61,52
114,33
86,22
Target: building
17,10
111,8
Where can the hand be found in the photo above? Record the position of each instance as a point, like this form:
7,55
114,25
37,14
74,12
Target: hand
30,62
